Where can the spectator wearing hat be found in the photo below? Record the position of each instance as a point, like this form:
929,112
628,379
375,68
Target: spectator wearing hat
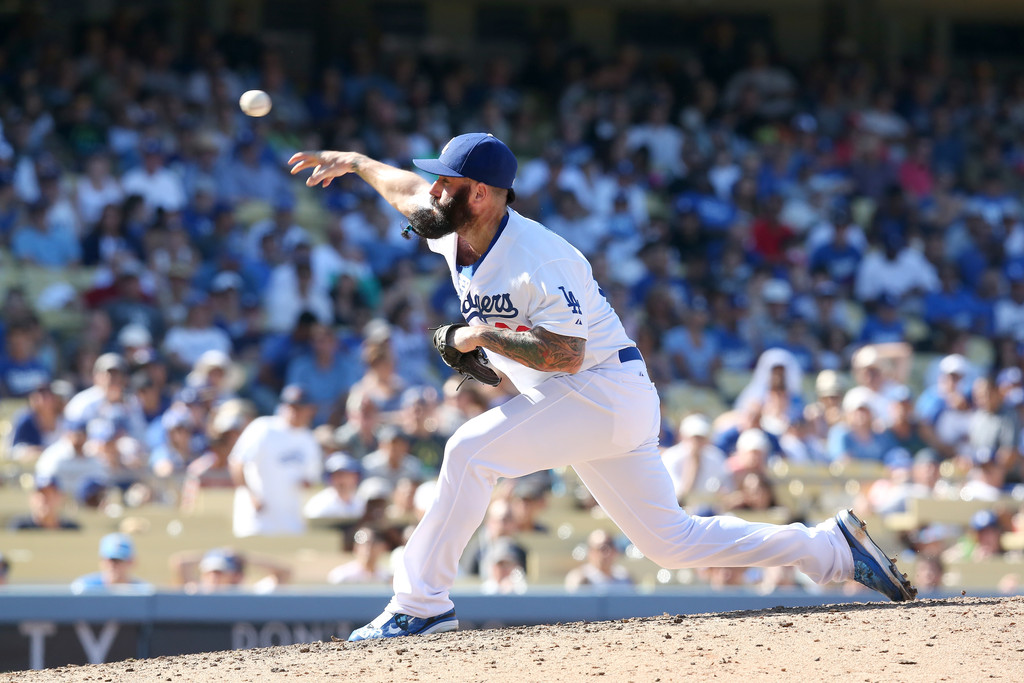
502,571
983,541
944,408
109,399
750,455
272,461
134,337
392,460
338,500
186,343
21,369
419,421
117,559
218,373
44,504
326,372
499,527
601,569
211,469
697,466
827,411
37,426
38,241
226,569
67,461
176,451
856,438
366,566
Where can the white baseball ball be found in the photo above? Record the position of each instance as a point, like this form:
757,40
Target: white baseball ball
255,103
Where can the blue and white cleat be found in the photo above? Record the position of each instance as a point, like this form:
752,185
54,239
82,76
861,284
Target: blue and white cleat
871,567
389,625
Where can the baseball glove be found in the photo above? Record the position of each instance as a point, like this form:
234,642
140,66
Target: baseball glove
473,364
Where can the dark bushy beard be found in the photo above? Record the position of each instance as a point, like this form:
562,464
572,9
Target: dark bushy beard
437,220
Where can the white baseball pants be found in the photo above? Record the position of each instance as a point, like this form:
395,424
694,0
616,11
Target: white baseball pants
604,422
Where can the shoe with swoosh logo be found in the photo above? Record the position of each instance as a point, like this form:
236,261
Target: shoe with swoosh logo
389,625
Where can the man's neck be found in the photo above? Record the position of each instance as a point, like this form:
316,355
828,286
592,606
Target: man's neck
479,233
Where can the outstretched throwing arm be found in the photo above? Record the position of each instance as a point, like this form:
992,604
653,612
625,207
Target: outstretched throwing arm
404,190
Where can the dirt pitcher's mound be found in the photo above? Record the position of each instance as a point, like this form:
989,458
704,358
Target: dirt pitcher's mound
930,640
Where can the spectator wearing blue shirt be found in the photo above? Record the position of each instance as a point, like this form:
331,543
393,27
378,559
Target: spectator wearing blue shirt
884,324
36,242
734,350
325,373
838,258
21,371
855,438
953,307
693,347
38,425
117,559
944,409
176,451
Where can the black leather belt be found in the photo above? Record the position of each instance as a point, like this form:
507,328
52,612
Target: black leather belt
629,353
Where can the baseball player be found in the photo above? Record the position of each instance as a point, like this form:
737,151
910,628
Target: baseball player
531,303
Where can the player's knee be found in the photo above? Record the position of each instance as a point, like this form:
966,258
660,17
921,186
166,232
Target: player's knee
458,453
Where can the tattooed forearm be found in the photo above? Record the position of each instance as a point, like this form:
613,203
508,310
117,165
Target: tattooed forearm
537,348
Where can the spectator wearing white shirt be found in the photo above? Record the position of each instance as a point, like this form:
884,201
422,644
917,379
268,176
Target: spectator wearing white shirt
292,290
697,466
185,343
97,189
662,140
159,187
896,270
274,459
67,461
338,500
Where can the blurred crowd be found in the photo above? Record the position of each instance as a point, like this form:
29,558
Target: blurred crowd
819,232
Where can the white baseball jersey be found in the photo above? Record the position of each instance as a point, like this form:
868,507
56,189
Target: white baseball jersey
531,277
277,461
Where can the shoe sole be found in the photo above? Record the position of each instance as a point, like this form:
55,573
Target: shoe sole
859,530
443,627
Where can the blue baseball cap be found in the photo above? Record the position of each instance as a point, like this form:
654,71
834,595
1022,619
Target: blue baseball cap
478,156
222,560
342,462
117,547
983,519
